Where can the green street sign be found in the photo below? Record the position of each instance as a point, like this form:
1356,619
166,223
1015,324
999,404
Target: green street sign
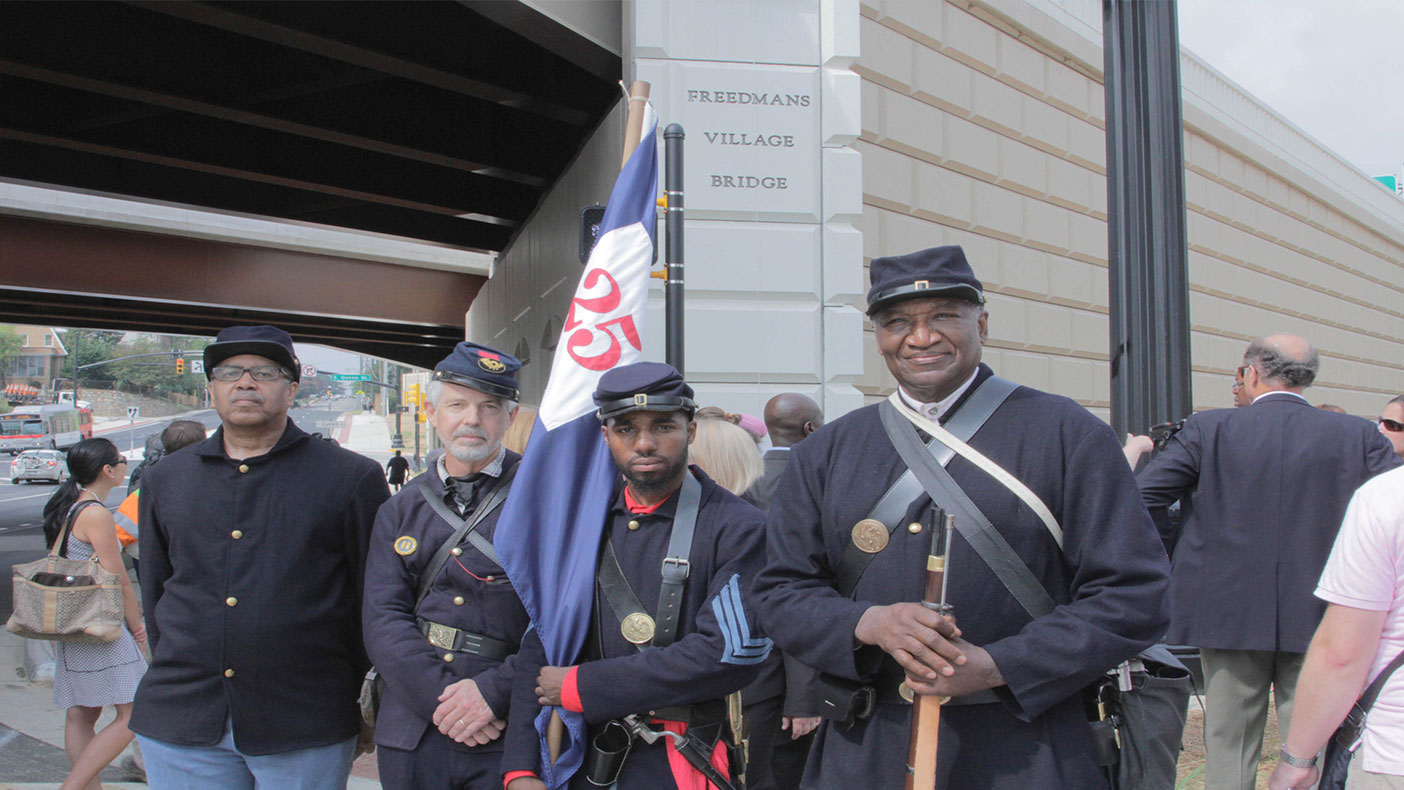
350,377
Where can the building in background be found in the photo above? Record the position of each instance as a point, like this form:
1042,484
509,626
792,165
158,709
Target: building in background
824,134
39,361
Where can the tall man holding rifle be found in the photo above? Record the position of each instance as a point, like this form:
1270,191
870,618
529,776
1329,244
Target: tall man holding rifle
1054,570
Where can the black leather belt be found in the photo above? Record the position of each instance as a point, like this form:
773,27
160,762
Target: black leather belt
699,715
460,641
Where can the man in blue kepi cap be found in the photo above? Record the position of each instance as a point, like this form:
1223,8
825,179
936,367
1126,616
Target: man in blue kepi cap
844,552
673,633
442,623
253,543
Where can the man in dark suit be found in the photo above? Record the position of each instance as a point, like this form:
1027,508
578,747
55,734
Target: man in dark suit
1263,490
789,417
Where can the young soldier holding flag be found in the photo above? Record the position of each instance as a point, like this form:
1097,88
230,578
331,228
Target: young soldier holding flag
552,529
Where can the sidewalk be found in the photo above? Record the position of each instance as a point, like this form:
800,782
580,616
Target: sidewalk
31,733
31,726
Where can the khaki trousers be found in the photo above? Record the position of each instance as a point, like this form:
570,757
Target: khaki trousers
1359,779
1236,689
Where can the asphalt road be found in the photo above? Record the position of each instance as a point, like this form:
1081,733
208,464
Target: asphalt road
22,506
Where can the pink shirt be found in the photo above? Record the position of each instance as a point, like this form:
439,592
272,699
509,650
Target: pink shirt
1366,571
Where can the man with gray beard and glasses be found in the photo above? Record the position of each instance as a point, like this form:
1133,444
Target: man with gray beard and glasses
442,623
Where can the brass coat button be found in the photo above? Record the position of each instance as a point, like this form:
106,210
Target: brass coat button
243,468
237,534
229,673
914,527
633,525
448,658
231,601
457,600
457,550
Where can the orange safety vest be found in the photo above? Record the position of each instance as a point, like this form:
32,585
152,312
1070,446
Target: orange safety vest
126,517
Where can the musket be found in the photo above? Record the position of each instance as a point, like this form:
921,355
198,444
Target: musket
926,708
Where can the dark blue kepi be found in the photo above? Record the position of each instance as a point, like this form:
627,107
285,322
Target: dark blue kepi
924,274
650,386
482,368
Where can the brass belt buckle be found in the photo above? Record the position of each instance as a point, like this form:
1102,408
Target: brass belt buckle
442,636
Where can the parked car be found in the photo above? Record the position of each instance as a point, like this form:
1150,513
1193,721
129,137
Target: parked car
39,465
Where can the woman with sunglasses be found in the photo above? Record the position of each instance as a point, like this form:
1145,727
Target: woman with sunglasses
89,677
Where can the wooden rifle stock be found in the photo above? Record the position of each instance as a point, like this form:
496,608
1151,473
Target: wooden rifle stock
926,708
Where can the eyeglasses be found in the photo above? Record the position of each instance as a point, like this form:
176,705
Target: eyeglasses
1393,426
1242,370
121,459
259,373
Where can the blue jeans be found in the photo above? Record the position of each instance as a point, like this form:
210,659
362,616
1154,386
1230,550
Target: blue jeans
170,766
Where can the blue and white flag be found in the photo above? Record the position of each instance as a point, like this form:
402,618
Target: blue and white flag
552,523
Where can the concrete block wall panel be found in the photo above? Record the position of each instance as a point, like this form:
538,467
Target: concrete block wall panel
771,274
983,124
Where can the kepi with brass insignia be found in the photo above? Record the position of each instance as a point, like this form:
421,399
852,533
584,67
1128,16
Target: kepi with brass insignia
646,386
482,368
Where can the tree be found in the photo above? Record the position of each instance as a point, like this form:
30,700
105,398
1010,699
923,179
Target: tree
86,346
11,343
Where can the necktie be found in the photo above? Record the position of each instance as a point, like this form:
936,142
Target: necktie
464,489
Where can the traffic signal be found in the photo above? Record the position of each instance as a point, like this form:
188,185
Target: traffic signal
412,395
180,366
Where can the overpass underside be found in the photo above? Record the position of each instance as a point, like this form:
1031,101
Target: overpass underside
437,125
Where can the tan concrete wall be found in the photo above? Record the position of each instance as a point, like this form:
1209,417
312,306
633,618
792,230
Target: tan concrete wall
983,126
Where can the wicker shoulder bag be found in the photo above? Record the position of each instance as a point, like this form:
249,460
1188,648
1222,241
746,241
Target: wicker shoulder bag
64,599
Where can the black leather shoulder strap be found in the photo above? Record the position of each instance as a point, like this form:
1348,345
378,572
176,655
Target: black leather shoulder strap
889,510
675,563
461,527
622,599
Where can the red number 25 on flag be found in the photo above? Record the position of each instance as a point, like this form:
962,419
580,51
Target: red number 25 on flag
613,330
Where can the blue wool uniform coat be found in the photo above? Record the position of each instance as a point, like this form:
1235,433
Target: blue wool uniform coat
251,581
1263,489
1108,581
415,672
616,678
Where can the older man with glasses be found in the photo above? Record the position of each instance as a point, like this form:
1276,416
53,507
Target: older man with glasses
1263,488
253,545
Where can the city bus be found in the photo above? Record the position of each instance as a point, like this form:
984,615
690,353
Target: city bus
50,427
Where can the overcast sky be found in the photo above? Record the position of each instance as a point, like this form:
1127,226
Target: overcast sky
1331,67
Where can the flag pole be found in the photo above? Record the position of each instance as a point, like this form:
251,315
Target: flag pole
633,132
673,259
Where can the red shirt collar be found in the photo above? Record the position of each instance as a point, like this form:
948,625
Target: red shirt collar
637,509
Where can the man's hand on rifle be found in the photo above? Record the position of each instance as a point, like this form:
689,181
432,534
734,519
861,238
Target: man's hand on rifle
917,637
976,674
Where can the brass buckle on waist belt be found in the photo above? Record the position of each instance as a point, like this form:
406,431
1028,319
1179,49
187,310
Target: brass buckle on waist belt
442,636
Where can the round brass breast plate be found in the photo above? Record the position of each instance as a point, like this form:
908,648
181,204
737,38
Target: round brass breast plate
637,628
870,535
